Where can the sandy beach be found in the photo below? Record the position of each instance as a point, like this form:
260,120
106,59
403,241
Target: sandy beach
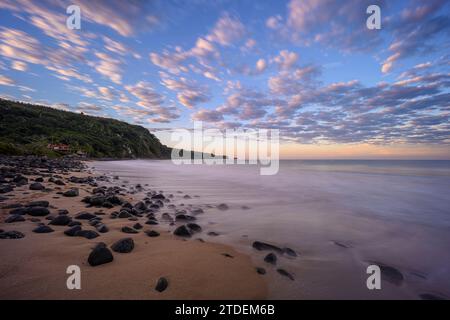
34,267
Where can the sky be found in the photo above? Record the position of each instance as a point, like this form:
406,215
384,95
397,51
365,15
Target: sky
309,68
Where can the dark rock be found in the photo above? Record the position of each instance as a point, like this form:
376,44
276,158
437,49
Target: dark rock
85,216
285,273
71,193
94,222
38,211
39,179
43,229
389,273
271,258
123,245
50,217
138,226
6,188
124,214
20,211
182,231
213,234
88,234
14,218
59,183
63,212
162,284
151,222
266,246
222,206
431,296
42,203
184,217
227,255
100,255
197,211
72,231
102,228
290,252
36,186
260,270
158,196
74,223
127,229
152,233
61,220
194,227
11,235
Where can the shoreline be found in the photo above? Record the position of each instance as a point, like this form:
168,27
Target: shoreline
34,267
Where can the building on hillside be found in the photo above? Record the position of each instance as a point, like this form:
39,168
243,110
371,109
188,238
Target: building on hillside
59,147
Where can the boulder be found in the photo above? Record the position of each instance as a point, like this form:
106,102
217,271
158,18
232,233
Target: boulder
182,231
38,211
43,229
14,218
100,255
73,192
72,231
127,229
36,186
61,220
125,245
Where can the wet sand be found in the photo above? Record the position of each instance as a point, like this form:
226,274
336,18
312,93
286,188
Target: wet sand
34,267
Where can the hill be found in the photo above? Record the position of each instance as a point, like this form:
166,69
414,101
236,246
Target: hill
28,129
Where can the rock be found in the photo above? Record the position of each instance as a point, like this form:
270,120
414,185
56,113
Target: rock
50,217
14,218
227,255
162,284
38,211
431,296
124,214
43,229
71,193
271,258
38,204
85,216
59,183
6,188
260,270
290,252
74,223
36,186
125,245
223,206
61,220
197,211
94,222
389,273
72,231
285,273
102,228
266,246
158,196
20,211
11,235
182,231
184,217
39,179
88,234
100,255
213,234
137,226
127,229
194,227
151,222
152,233
63,212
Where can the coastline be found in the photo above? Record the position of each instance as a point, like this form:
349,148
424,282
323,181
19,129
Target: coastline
34,267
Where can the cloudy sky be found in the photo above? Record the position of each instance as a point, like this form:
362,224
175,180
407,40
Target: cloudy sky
309,68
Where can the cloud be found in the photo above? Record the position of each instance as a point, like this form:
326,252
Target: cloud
189,93
286,59
108,67
227,30
6,81
261,65
414,31
19,66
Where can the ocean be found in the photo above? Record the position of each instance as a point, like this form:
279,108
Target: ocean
339,215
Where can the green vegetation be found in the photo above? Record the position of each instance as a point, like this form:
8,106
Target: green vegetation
28,129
